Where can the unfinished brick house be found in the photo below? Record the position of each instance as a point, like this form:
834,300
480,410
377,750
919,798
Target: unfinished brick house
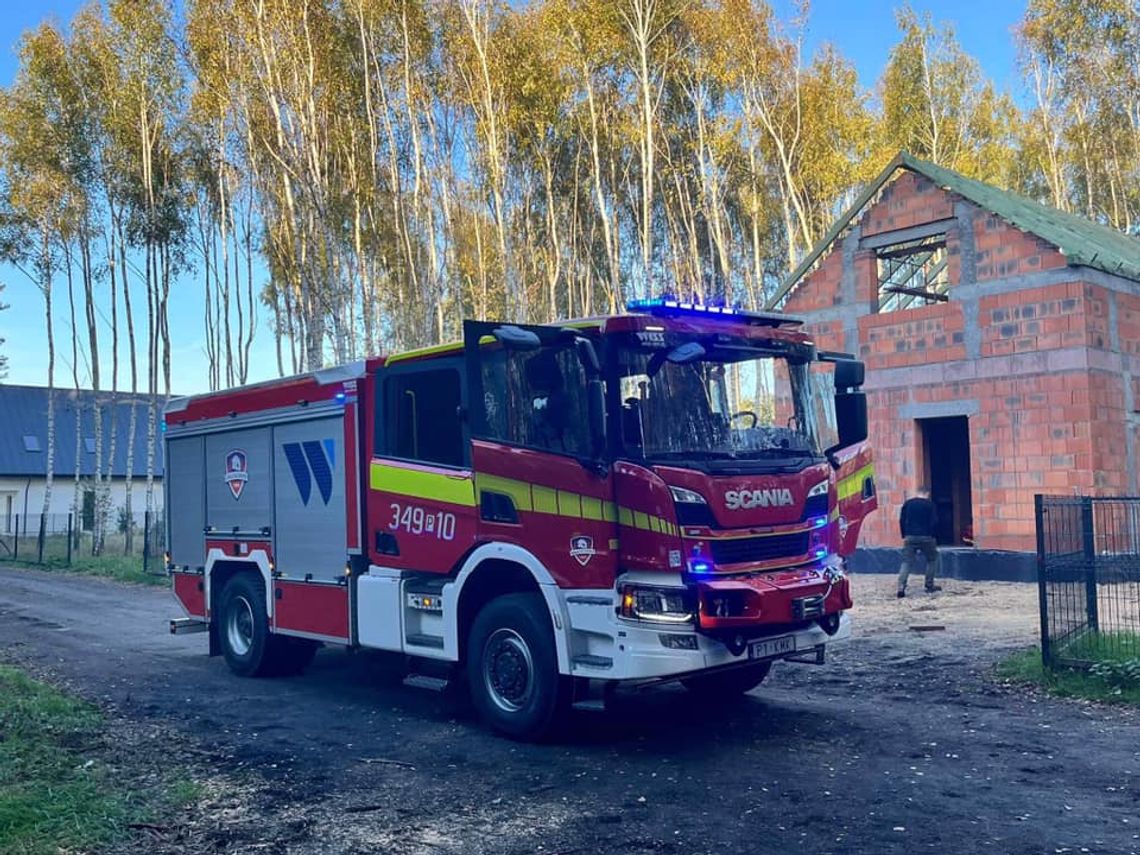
1002,345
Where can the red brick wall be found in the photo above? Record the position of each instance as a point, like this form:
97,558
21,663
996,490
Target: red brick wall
909,200
1040,319
1003,250
1109,434
1044,422
820,289
1031,434
934,333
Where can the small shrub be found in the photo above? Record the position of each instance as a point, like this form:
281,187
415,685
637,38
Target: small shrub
1122,674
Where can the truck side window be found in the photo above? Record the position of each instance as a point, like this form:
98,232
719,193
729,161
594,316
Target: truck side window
537,399
422,418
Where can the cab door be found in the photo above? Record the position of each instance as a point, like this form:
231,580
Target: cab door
539,481
421,507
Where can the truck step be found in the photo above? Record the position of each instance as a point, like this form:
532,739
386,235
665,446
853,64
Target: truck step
420,639
425,586
425,681
589,661
186,625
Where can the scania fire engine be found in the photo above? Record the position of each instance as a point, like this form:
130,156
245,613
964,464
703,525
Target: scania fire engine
544,512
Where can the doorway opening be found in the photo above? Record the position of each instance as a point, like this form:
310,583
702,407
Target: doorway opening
946,463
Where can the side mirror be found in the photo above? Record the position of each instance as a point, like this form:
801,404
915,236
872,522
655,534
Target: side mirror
851,416
516,338
849,374
588,356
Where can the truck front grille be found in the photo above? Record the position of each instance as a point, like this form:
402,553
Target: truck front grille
768,548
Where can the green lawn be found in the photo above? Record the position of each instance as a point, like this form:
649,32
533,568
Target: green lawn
56,794
1115,678
119,567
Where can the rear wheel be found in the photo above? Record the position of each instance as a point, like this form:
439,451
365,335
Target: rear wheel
247,644
725,685
512,667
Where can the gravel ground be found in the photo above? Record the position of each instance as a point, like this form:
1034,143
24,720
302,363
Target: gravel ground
903,742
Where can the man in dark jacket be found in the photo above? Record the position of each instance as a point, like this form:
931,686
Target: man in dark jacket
918,522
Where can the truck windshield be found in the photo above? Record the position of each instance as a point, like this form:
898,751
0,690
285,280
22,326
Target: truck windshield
717,401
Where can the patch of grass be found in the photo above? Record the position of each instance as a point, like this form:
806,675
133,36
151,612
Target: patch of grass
1103,647
118,567
51,797
55,793
182,792
1026,667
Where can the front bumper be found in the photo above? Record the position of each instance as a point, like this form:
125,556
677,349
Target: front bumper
604,646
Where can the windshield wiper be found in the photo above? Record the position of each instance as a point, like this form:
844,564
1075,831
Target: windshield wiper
704,454
776,452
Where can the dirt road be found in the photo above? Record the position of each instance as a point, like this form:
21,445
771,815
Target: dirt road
902,743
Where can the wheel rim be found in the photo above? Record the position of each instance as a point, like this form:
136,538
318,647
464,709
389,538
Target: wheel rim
239,626
508,670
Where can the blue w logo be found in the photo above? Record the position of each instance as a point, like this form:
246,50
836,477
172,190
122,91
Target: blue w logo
319,458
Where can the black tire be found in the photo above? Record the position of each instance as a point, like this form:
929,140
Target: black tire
512,667
243,626
250,649
726,685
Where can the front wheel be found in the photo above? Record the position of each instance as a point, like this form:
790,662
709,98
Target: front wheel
725,685
512,667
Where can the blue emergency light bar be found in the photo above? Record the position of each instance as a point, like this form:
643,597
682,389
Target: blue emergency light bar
670,307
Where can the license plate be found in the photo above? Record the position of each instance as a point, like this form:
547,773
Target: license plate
770,647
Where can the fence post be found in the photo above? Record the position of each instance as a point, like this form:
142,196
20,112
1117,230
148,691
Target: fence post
146,542
40,540
16,542
1042,588
70,517
1088,536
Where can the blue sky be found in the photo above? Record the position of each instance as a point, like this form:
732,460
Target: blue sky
864,31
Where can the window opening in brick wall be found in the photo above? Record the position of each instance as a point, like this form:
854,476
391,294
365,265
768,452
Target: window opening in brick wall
913,274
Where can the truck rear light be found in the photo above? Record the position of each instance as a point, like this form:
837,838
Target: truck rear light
662,605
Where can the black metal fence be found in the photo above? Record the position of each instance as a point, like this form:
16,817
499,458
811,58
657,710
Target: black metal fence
1088,573
65,539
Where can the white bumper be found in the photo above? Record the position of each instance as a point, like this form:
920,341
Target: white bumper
603,646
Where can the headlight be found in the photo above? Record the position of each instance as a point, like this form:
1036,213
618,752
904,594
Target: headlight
819,489
680,494
664,605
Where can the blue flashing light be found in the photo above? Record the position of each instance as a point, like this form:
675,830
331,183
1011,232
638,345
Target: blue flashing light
819,522
820,553
678,306
340,397
162,426
700,567
672,307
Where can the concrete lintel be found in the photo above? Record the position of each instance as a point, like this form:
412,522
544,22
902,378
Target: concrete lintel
1018,365
882,239
1044,278
832,313
940,409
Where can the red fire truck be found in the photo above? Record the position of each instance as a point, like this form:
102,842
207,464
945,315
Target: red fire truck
544,511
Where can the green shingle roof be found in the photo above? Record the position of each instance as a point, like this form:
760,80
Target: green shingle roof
1083,242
